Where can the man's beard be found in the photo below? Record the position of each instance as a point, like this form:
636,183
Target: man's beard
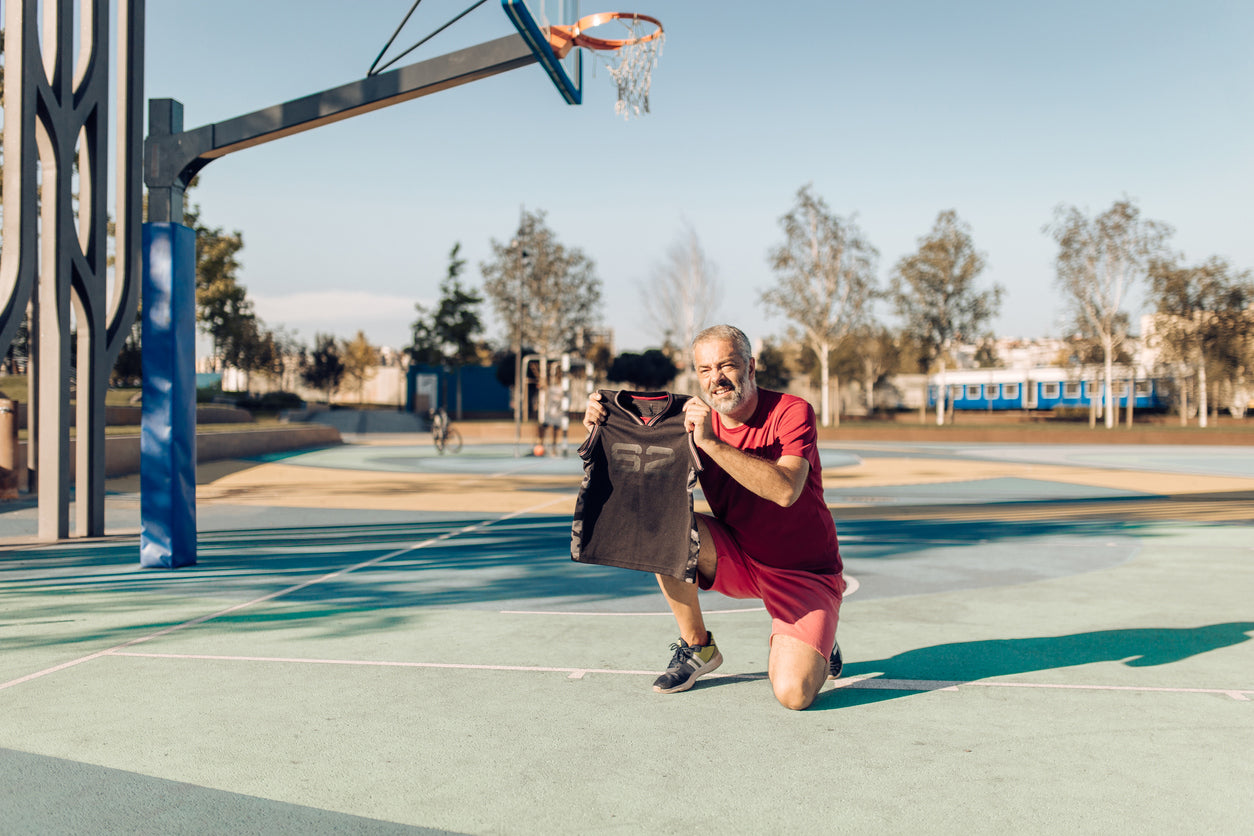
728,402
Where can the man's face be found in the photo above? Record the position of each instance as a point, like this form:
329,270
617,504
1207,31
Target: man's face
726,380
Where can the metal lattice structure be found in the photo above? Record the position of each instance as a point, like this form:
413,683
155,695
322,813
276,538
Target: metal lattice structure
55,258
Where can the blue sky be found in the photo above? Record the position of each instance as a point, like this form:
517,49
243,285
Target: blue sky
894,111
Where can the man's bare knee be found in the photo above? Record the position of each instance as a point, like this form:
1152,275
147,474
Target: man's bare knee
794,694
797,672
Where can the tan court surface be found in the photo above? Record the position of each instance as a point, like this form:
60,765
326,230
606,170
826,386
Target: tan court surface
378,640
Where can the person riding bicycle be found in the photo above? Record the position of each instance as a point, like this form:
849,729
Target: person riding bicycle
439,422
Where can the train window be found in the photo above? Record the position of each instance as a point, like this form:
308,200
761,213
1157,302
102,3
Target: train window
1121,388
1071,390
1010,390
1049,390
973,391
1143,388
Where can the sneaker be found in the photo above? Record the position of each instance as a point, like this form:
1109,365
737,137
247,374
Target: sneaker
688,663
834,662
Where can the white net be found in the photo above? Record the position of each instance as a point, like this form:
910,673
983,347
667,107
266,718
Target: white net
633,69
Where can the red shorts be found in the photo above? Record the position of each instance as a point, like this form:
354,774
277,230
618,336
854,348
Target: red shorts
801,604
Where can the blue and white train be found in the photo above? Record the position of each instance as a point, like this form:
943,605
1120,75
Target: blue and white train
1048,387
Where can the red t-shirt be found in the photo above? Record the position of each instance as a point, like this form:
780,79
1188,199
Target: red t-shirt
801,536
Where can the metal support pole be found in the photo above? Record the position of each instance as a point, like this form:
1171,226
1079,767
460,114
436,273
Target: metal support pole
525,387
168,430
8,450
565,420
518,381
518,360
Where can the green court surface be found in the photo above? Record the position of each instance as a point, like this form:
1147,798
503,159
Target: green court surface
1037,639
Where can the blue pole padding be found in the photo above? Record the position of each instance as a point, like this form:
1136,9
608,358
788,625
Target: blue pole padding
168,432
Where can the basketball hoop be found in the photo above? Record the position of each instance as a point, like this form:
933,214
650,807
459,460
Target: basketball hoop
637,53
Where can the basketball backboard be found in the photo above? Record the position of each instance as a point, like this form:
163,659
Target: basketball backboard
533,18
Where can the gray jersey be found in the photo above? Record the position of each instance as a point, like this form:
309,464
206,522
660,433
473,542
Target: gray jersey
635,503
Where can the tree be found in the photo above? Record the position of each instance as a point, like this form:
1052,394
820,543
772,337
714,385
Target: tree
17,355
651,370
877,355
448,332
548,293
601,356
772,367
866,353
682,292
359,358
934,292
826,280
288,357
1099,260
223,310
505,364
1201,319
986,354
1234,322
128,369
1085,350
253,348
324,369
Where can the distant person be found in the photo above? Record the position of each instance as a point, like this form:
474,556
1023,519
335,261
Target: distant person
771,536
550,416
439,422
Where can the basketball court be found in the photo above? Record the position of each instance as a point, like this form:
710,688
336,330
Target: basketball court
380,639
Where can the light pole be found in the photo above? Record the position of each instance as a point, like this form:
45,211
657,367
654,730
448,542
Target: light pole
520,267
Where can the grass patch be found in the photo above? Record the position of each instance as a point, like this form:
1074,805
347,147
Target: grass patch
15,388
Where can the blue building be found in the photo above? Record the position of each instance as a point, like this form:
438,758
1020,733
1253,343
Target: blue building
481,394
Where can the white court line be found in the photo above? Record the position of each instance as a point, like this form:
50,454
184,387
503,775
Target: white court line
602,614
1237,694
271,596
870,682
575,673
851,586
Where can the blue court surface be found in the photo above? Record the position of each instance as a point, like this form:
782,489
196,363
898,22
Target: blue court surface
377,638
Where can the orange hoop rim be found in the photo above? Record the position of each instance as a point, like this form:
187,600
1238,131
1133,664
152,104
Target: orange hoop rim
562,38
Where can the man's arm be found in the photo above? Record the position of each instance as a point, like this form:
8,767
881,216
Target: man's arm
780,481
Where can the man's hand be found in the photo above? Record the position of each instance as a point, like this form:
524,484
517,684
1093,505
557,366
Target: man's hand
595,413
779,481
697,421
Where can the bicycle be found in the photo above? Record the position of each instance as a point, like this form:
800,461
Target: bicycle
443,435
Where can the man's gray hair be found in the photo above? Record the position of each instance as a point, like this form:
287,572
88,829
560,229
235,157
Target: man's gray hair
740,343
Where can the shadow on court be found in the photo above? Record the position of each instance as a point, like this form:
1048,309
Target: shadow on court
378,569
320,576
900,538
961,662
